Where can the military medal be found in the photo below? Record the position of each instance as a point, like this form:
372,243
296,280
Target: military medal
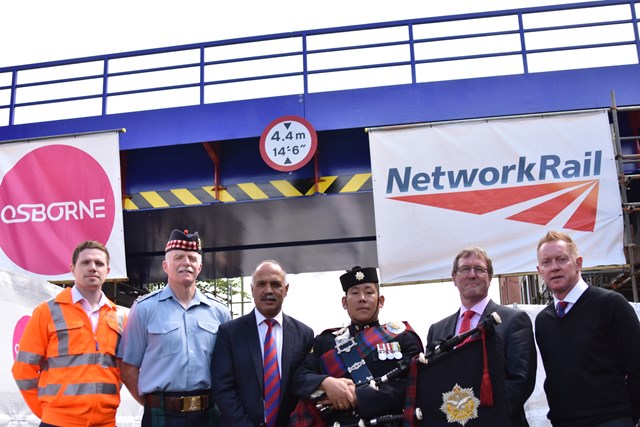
382,352
396,350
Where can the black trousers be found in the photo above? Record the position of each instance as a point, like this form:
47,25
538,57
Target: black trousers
618,422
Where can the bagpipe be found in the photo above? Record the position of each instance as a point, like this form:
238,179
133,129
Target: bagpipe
484,325
381,420
461,405
461,379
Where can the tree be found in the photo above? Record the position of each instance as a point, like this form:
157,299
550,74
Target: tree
226,290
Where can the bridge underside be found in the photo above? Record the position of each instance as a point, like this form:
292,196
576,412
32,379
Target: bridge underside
317,218
315,233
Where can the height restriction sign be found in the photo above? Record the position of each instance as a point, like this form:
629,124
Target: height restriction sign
288,143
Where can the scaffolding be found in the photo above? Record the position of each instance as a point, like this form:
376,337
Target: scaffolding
629,207
622,279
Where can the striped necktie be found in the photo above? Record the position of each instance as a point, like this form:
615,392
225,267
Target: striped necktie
560,308
271,376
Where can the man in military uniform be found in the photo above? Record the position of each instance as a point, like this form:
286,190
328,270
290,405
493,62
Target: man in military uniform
168,343
334,380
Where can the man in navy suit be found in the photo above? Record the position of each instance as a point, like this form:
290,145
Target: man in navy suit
237,367
472,273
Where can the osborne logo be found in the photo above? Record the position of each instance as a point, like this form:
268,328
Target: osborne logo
554,196
53,198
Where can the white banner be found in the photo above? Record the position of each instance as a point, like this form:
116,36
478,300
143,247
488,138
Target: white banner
500,184
54,194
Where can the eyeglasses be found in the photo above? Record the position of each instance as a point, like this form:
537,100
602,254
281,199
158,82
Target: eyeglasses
466,270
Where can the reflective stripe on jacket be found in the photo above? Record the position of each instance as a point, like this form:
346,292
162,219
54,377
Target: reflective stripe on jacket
67,374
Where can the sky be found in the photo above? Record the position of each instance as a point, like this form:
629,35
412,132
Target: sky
35,31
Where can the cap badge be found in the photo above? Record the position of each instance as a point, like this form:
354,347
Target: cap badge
359,275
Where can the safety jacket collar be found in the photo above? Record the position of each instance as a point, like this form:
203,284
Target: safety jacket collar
65,297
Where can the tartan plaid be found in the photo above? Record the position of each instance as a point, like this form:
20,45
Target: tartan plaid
184,245
306,415
408,420
332,364
159,417
369,338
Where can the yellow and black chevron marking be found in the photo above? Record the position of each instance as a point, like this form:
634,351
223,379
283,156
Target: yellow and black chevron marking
247,191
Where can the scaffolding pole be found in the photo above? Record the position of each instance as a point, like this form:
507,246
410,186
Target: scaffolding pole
629,242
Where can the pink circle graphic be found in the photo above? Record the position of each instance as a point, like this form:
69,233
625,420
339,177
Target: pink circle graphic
17,334
52,199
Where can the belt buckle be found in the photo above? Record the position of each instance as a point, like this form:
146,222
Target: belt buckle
191,403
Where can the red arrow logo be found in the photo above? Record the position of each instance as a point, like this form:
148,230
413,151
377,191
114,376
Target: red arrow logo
480,202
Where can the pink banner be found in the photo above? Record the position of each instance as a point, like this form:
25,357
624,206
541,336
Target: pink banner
54,194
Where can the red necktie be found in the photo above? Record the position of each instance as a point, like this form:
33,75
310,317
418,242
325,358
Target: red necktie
271,376
465,325
560,308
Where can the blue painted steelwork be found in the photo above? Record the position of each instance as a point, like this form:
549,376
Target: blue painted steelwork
204,94
414,98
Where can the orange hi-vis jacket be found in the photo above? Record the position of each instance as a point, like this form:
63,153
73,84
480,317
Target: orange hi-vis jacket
67,374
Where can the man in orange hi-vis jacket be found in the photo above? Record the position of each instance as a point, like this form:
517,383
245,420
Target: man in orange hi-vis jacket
66,368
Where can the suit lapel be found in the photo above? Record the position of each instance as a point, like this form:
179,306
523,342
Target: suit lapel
451,325
253,347
288,344
490,308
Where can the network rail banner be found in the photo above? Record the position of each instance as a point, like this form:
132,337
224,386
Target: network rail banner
500,184
54,194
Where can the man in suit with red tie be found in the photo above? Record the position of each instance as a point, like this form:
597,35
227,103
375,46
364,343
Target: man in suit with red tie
256,355
589,341
472,273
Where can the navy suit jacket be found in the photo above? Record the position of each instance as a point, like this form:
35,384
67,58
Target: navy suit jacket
237,373
519,349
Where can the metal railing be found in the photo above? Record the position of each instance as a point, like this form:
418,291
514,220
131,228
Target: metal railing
509,42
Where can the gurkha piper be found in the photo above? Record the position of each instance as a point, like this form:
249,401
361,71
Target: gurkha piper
339,381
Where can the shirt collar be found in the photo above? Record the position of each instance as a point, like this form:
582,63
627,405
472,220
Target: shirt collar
198,297
260,317
166,293
76,296
478,308
574,294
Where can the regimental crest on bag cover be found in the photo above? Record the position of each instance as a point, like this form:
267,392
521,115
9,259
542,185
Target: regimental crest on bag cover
460,405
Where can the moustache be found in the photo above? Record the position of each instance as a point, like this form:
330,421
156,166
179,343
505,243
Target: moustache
190,270
268,298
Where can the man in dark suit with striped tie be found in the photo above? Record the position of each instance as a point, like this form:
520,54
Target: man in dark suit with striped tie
256,355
